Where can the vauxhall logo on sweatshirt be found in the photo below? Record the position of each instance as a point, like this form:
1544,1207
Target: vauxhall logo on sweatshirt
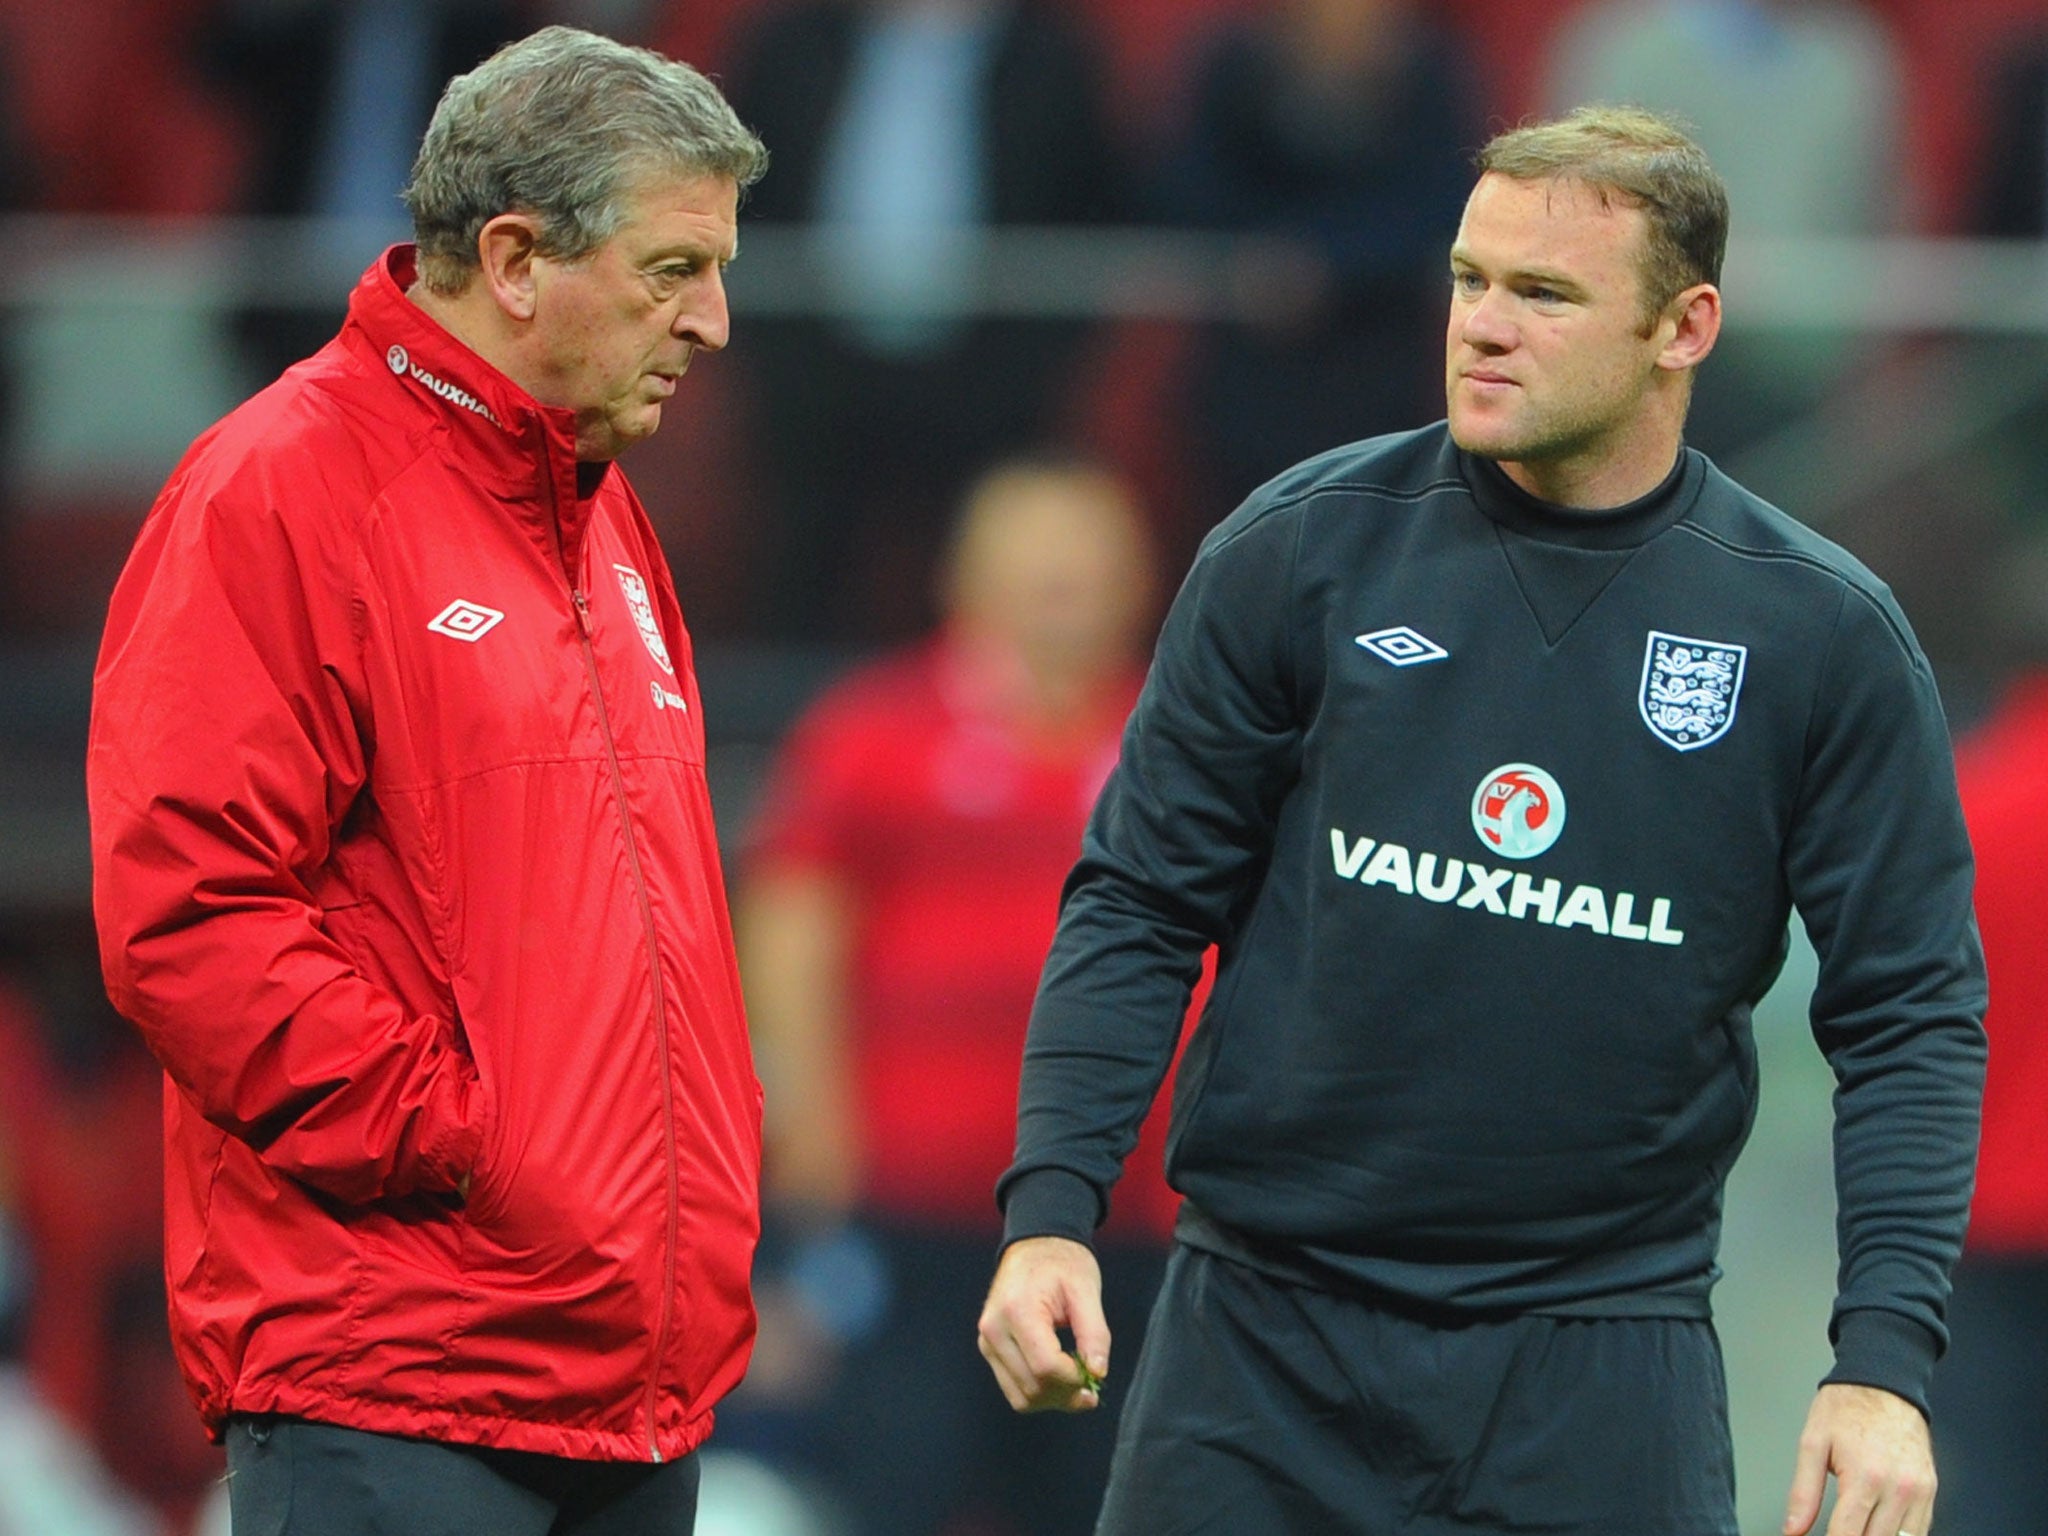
1518,812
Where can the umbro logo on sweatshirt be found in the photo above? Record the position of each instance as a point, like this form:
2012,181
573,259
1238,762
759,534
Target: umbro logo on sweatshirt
1401,646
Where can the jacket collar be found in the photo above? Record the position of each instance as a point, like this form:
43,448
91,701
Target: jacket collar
517,448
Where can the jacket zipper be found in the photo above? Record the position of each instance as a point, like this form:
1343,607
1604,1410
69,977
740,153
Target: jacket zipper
668,1107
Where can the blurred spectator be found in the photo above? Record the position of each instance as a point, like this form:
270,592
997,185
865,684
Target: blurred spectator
335,95
1345,124
16,190
1798,102
1991,1393
111,105
903,128
80,1152
2011,197
2008,199
899,898
17,179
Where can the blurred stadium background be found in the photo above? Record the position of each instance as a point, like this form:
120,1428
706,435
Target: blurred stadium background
189,187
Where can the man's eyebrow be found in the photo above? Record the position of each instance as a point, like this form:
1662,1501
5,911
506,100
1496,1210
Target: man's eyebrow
1544,277
692,250
1541,277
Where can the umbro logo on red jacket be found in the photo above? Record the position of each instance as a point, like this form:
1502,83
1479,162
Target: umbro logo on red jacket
464,620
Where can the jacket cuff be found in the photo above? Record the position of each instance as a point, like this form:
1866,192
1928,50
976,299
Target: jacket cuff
450,1157
1876,1348
1050,1202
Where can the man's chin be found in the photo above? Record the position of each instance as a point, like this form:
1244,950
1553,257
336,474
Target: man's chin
1483,439
612,437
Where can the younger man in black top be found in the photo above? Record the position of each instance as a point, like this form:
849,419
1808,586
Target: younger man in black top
1494,758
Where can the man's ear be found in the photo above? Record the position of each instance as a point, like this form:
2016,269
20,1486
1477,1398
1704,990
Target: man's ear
1694,318
505,249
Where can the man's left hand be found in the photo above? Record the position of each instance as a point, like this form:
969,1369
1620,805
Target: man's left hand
1877,1446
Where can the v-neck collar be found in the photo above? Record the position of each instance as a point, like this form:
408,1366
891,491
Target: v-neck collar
1563,558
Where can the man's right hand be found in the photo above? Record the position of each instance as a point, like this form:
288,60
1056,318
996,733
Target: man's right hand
1044,1284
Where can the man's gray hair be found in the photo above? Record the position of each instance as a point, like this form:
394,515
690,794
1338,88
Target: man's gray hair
564,125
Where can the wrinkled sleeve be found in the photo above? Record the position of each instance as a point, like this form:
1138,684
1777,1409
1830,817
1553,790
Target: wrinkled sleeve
1879,865
1173,854
227,744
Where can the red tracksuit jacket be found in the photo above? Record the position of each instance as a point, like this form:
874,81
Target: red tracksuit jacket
403,863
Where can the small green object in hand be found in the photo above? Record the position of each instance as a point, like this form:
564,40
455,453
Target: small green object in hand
1089,1380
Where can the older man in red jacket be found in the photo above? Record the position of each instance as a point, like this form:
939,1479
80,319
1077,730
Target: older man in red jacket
404,860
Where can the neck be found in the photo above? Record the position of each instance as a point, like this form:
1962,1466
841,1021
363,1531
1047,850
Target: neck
1629,462
471,319
1593,488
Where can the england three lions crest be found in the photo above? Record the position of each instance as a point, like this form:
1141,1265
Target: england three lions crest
1690,688
635,587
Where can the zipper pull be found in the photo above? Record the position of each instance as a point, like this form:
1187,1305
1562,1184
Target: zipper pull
582,609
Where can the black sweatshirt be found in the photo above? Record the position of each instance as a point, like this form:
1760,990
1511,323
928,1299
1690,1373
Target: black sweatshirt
1497,813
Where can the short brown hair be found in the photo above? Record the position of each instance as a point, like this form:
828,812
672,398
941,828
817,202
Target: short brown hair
563,124
1648,162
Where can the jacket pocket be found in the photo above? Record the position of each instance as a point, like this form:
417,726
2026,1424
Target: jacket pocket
489,1179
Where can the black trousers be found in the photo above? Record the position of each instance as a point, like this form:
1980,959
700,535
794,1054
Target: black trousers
1260,1406
293,1477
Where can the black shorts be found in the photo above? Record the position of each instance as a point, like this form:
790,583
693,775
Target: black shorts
1263,1407
293,1477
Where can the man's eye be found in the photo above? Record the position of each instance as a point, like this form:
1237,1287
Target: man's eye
1467,282
1543,296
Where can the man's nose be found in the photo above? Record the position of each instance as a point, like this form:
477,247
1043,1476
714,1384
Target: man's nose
1486,324
707,321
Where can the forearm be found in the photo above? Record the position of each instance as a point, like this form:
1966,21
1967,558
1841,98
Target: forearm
1102,1037
794,932
1878,862
270,1029
338,1087
1905,1158
1175,846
